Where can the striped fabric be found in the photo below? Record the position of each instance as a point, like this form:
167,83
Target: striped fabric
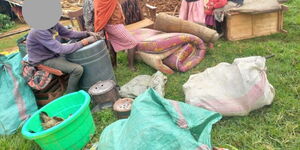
120,37
36,79
17,99
17,95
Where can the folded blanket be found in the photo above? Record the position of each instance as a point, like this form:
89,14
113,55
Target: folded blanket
167,51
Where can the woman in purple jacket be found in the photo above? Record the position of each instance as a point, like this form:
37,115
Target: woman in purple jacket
43,48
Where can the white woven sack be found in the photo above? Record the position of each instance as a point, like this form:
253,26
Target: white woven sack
231,89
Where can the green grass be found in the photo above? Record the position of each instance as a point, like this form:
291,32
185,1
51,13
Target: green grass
10,41
273,127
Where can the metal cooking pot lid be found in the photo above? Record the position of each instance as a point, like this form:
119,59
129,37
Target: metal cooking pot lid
123,105
102,87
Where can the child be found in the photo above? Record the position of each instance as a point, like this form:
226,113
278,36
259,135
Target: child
192,10
209,9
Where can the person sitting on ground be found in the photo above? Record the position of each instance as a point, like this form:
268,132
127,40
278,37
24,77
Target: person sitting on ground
44,48
108,16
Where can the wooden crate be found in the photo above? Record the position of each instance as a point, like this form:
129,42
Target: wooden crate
244,26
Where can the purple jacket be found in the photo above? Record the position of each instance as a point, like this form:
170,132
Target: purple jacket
42,46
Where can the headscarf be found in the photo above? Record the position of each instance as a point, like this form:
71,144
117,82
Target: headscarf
103,11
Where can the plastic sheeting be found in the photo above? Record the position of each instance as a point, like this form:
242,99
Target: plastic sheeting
159,124
17,99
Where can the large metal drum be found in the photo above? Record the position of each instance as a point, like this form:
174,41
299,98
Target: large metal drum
96,63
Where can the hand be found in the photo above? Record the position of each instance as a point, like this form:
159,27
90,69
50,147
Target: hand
91,34
88,40
98,36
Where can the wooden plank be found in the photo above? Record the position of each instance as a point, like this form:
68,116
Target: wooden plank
141,24
252,24
14,33
244,26
280,18
228,27
240,26
265,24
280,21
284,8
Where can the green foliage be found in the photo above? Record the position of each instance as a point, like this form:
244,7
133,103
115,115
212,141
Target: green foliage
5,22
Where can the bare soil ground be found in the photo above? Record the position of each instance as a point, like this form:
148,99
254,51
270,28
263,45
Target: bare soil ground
165,5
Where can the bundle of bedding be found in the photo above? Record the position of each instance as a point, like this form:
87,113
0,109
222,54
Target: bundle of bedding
169,51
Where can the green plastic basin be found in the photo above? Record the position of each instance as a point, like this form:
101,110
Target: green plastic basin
73,133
